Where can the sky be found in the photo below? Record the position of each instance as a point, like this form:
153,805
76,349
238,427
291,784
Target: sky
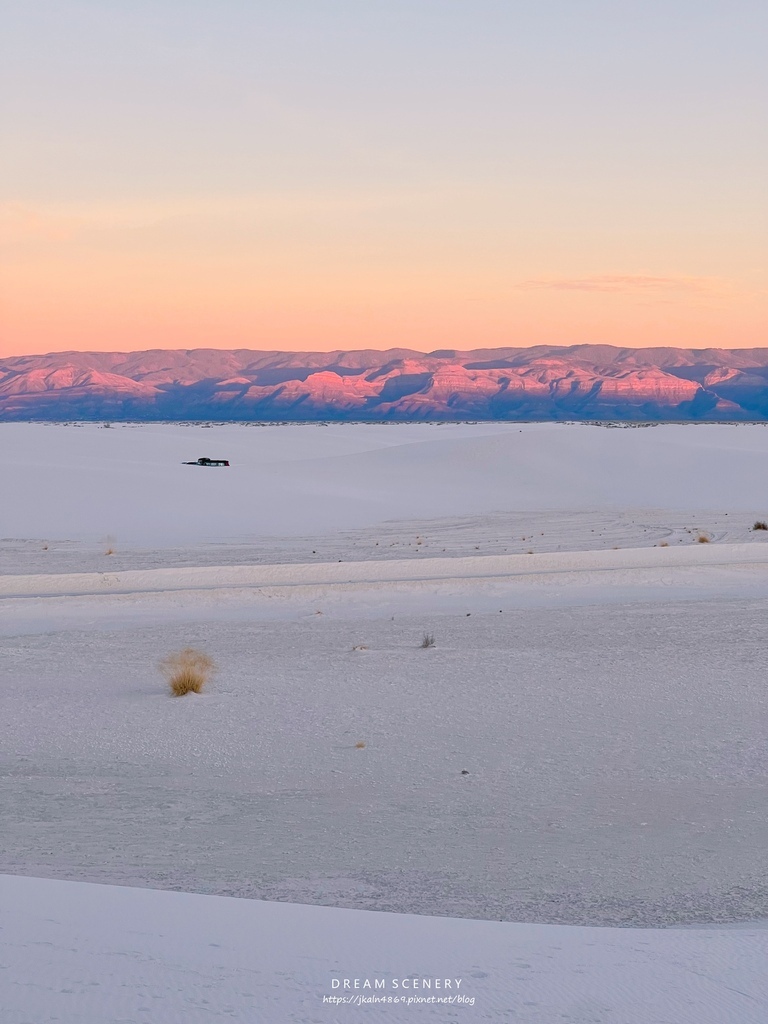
323,174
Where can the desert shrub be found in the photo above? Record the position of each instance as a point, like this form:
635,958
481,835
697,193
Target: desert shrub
428,640
187,671
760,525
703,538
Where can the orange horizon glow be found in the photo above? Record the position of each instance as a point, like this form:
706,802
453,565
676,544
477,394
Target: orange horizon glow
315,276
421,176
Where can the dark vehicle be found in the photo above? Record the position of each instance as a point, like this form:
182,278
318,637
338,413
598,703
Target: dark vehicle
208,462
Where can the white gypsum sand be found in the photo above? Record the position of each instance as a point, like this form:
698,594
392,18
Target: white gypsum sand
88,484
604,695
88,954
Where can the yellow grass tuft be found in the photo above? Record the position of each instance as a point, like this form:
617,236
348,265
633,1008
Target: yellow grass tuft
187,671
703,538
359,746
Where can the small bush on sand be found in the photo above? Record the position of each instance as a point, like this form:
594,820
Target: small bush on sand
703,538
187,671
427,640
760,525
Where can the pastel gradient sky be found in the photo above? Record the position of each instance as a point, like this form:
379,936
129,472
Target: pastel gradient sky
319,174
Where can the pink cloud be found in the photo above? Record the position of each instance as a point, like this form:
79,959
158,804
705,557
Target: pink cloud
623,282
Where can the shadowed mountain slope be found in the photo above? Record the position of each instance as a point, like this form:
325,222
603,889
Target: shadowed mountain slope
594,382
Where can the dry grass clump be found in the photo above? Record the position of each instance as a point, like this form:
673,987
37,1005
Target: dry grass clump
428,640
187,671
760,525
703,538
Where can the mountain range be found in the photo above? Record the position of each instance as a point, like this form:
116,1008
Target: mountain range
579,382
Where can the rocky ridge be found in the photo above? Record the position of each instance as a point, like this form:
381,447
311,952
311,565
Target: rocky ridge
541,383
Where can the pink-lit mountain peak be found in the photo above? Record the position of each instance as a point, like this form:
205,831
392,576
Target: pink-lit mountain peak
579,382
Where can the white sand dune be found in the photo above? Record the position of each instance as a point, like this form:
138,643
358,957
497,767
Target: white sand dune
38,601
128,482
103,955
584,745
490,567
